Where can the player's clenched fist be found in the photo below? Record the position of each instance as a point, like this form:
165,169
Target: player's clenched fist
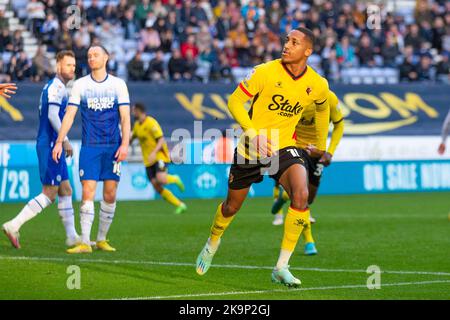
263,145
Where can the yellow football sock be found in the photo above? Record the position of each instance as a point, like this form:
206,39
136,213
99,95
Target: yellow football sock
169,197
276,192
307,233
285,196
171,178
220,224
294,223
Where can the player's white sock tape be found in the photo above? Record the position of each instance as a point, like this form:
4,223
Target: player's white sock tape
32,209
87,215
65,210
284,258
107,211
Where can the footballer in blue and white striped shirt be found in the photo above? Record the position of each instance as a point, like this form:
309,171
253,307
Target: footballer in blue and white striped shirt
105,112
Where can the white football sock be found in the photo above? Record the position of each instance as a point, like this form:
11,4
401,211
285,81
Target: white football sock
87,215
31,209
284,258
107,211
65,210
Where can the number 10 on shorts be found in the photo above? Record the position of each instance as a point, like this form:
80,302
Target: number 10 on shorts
116,168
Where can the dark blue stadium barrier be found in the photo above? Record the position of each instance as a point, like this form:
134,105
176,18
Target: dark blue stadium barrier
19,177
417,109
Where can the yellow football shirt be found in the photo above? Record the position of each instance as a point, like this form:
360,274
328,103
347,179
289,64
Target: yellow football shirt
279,98
148,133
305,131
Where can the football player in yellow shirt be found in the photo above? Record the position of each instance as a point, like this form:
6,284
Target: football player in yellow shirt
306,138
155,155
280,90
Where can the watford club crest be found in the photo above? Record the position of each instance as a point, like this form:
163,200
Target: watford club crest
308,90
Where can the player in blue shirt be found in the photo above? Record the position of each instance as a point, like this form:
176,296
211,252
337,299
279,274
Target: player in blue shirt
105,112
54,176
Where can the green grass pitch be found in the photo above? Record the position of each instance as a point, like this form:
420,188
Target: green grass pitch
406,235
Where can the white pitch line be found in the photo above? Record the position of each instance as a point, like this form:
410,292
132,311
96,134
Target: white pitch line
225,266
211,294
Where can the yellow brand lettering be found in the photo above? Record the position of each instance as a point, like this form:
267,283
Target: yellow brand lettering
412,103
196,106
15,114
220,103
381,110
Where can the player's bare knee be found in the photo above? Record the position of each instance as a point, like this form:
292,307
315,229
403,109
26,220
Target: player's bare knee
65,191
109,196
299,199
50,192
161,180
229,209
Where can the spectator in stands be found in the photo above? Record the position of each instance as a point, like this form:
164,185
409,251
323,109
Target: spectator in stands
107,36
408,70
122,7
110,13
36,15
390,52
83,35
149,40
41,65
151,19
203,38
48,31
4,22
223,25
80,51
6,41
176,66
17,41
94,13
22,67
174,23
130,26
345,53
190,67
423,12
241,43
167,40
365,52
156,70
63,39
135,68
413,38
189,47
245,24
142,10
438,33
443,69
425,69
159,9
231,54
265,37
4,75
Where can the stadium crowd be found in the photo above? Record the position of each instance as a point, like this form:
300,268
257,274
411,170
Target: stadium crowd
192,40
